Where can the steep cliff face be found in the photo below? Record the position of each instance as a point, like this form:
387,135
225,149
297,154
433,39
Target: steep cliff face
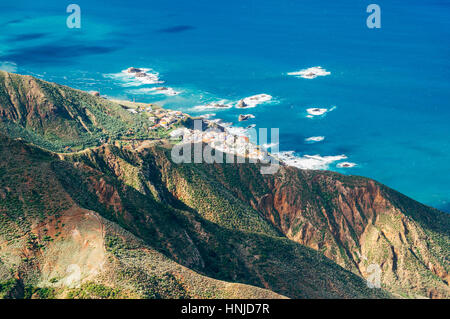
352,220
358,222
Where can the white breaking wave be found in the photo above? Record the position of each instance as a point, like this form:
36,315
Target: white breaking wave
238,131
158,90
269,146
314,139
312,162
248,102
207,116
222,104
145,76
315,111
253,101
310,73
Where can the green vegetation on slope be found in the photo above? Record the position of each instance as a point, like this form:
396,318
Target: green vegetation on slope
60,118
160,230
229,255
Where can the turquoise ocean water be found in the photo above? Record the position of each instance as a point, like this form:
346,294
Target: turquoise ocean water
390,86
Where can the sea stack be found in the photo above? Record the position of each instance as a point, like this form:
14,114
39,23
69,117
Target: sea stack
244,117
242,103
134,70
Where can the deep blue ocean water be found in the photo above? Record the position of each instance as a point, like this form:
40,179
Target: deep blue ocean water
390,86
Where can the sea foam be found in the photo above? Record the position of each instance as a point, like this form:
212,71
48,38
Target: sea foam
208,115
311,162
315,111
314,139
148,76
158,90
253,101
310,73
238,131
222,104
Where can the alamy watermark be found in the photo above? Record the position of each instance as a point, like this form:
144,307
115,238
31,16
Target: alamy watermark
215,145
374,19
74,19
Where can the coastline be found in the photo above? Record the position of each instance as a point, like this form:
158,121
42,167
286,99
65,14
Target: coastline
148,76
235,140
